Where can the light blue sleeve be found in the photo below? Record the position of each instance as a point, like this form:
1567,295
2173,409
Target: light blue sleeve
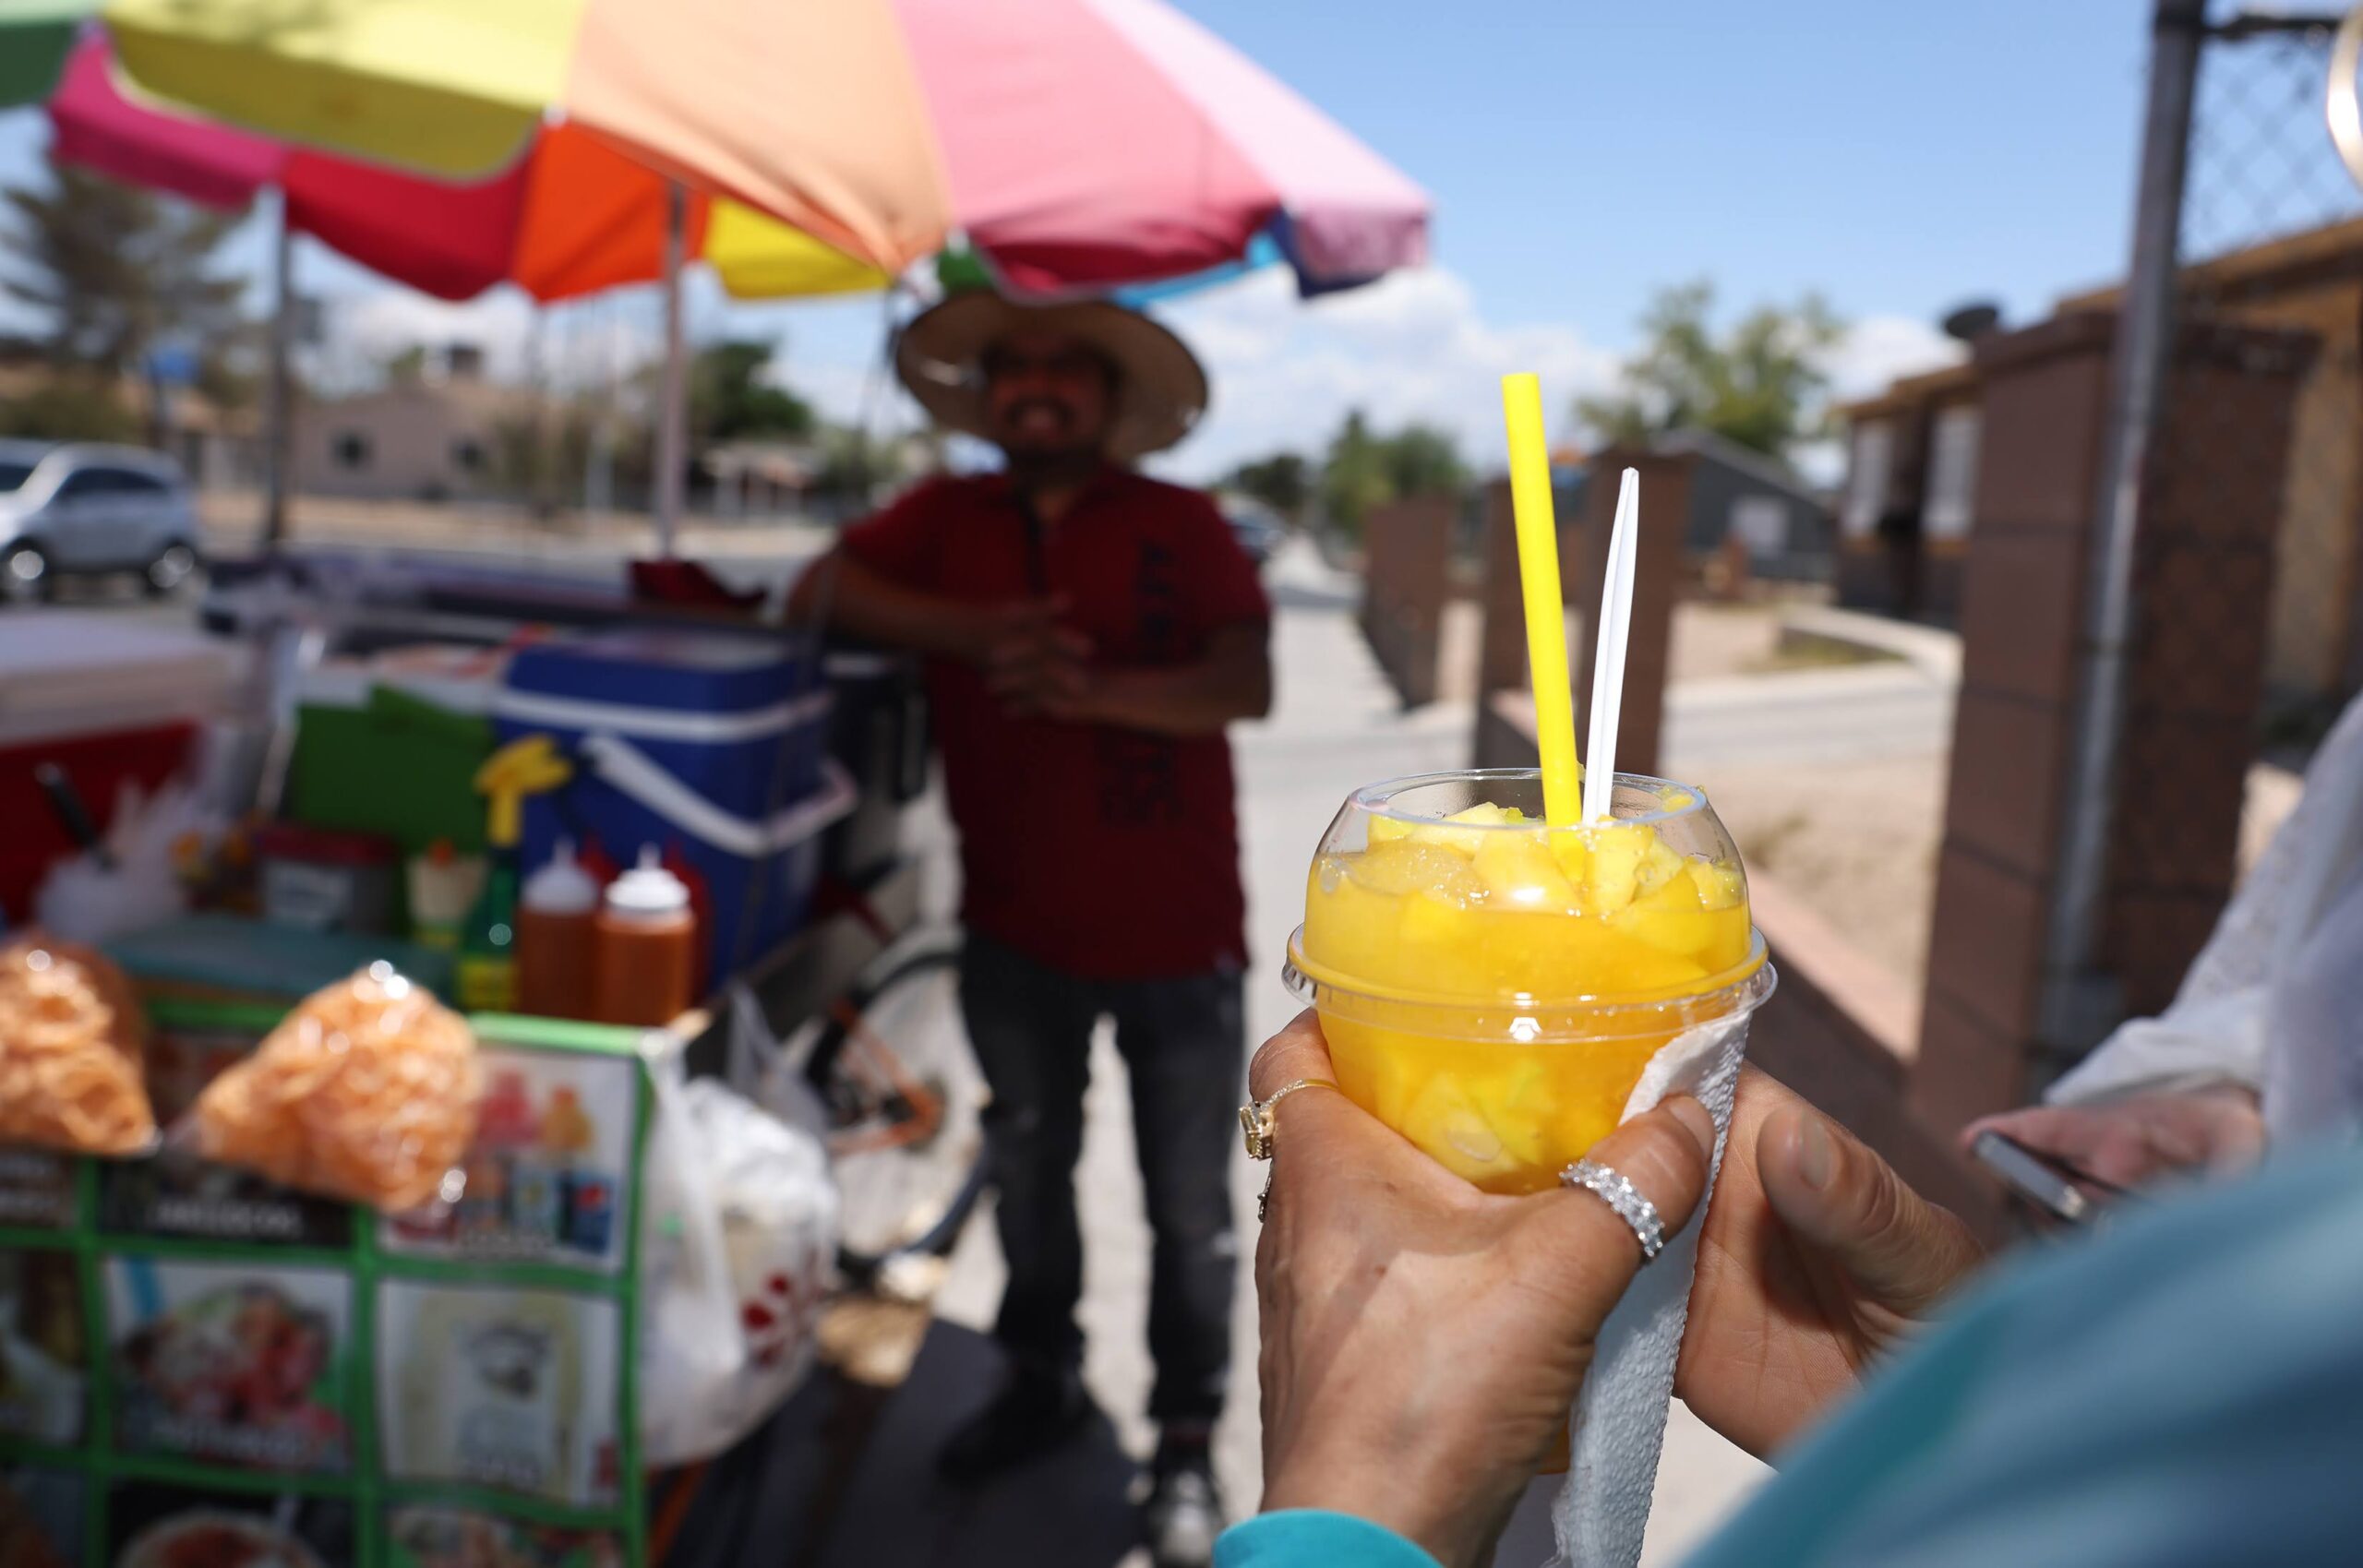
2186,1388
1310,1537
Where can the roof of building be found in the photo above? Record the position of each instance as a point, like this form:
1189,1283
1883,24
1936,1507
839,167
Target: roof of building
774,462
1929,385
2332,252
1766,471
472,397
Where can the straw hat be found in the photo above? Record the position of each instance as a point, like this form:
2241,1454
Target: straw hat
1161,390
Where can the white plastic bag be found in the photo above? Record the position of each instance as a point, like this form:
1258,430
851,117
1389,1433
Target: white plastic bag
737,1248
770,1071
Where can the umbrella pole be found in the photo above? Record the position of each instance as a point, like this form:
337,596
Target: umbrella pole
279,413
672,416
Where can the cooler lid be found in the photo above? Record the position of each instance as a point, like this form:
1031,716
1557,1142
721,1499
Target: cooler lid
75,674
670,669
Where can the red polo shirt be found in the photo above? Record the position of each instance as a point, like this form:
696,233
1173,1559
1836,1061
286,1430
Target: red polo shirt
1109,854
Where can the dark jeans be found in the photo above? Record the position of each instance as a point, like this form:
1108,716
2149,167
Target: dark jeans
1184,1044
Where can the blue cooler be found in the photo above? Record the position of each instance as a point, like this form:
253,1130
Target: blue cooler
712,748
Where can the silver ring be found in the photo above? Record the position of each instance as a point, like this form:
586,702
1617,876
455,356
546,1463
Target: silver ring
1611,1188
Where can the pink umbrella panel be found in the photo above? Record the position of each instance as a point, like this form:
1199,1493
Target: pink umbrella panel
1078,145
1174,150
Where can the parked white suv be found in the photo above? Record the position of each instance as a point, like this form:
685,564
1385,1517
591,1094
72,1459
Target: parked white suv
82,510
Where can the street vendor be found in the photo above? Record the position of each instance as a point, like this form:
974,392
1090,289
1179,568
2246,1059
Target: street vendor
1090,633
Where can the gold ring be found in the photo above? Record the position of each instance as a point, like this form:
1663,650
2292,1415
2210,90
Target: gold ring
1257,1122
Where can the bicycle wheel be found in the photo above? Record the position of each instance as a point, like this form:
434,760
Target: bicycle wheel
905,1104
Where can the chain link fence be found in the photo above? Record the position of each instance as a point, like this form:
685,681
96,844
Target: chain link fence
2273,237
2248,634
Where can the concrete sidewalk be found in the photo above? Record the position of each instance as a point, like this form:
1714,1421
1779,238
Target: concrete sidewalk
1336,726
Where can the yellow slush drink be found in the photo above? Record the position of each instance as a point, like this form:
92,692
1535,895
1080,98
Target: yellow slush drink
1492,989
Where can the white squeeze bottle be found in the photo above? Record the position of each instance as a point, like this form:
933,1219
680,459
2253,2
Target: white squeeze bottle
555,916
645,957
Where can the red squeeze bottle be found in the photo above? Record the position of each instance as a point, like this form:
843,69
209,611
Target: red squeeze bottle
555,915
645,947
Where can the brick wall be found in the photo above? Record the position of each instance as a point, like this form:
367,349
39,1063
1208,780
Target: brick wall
2203,578
1657,571
1407,551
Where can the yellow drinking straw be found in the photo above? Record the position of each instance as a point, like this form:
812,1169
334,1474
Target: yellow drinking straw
1546,617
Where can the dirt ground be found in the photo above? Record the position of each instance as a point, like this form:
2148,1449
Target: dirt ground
1858,845
1710,641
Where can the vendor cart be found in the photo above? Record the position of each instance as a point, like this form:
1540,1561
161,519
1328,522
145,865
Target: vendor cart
471,1380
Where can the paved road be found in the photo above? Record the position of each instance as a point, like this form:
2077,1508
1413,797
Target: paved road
1336,726
1809,717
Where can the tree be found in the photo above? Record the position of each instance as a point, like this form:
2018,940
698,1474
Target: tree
1282,482
112,269
1423,460
1761,385
1353,476
1364,471
75,407
407,363
727,401
855,466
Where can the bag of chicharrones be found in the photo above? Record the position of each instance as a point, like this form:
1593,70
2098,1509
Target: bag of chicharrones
72,1051
367,1092
739,1245
72,1039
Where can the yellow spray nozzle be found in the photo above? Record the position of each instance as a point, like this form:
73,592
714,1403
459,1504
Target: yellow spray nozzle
527,766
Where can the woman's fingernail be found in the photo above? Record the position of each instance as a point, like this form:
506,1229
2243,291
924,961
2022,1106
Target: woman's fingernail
1695,1121
1815,1157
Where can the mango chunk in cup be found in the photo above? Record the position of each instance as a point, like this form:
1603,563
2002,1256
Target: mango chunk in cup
1492,989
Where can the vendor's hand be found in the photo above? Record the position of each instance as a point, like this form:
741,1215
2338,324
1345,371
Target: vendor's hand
1422,1340
1816,1258
2140,1138
1031,660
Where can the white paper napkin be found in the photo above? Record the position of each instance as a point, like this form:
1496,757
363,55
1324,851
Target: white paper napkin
1618,1424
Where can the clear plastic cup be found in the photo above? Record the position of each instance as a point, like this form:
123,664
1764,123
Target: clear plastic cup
1493,990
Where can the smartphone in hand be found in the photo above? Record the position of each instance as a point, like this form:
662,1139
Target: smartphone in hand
2051,1186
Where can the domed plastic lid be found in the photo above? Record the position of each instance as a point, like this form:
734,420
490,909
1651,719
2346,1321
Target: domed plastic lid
562,886
647,891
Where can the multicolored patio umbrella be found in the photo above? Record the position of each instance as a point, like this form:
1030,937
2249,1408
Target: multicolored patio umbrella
571,217
1077,143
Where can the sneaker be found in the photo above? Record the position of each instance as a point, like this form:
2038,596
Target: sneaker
1184,1512
1034,1413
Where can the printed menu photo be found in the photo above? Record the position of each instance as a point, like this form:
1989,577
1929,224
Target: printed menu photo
547,1178
41,1518
432,1536
42,1353
176,1193
155,1526
499,1387
36,1190
238,1363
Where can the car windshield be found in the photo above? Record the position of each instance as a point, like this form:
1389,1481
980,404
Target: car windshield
13,474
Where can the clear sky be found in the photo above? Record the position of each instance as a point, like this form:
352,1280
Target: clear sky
1897,157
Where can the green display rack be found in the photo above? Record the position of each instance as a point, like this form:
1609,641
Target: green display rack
198,1366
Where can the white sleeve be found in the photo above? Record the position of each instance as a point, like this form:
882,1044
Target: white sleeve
2217,1040
2216,1029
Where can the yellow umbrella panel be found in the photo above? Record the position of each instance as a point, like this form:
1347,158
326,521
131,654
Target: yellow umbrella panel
808,112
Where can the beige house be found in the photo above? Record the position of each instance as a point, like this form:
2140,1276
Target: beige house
416,438
1913,457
